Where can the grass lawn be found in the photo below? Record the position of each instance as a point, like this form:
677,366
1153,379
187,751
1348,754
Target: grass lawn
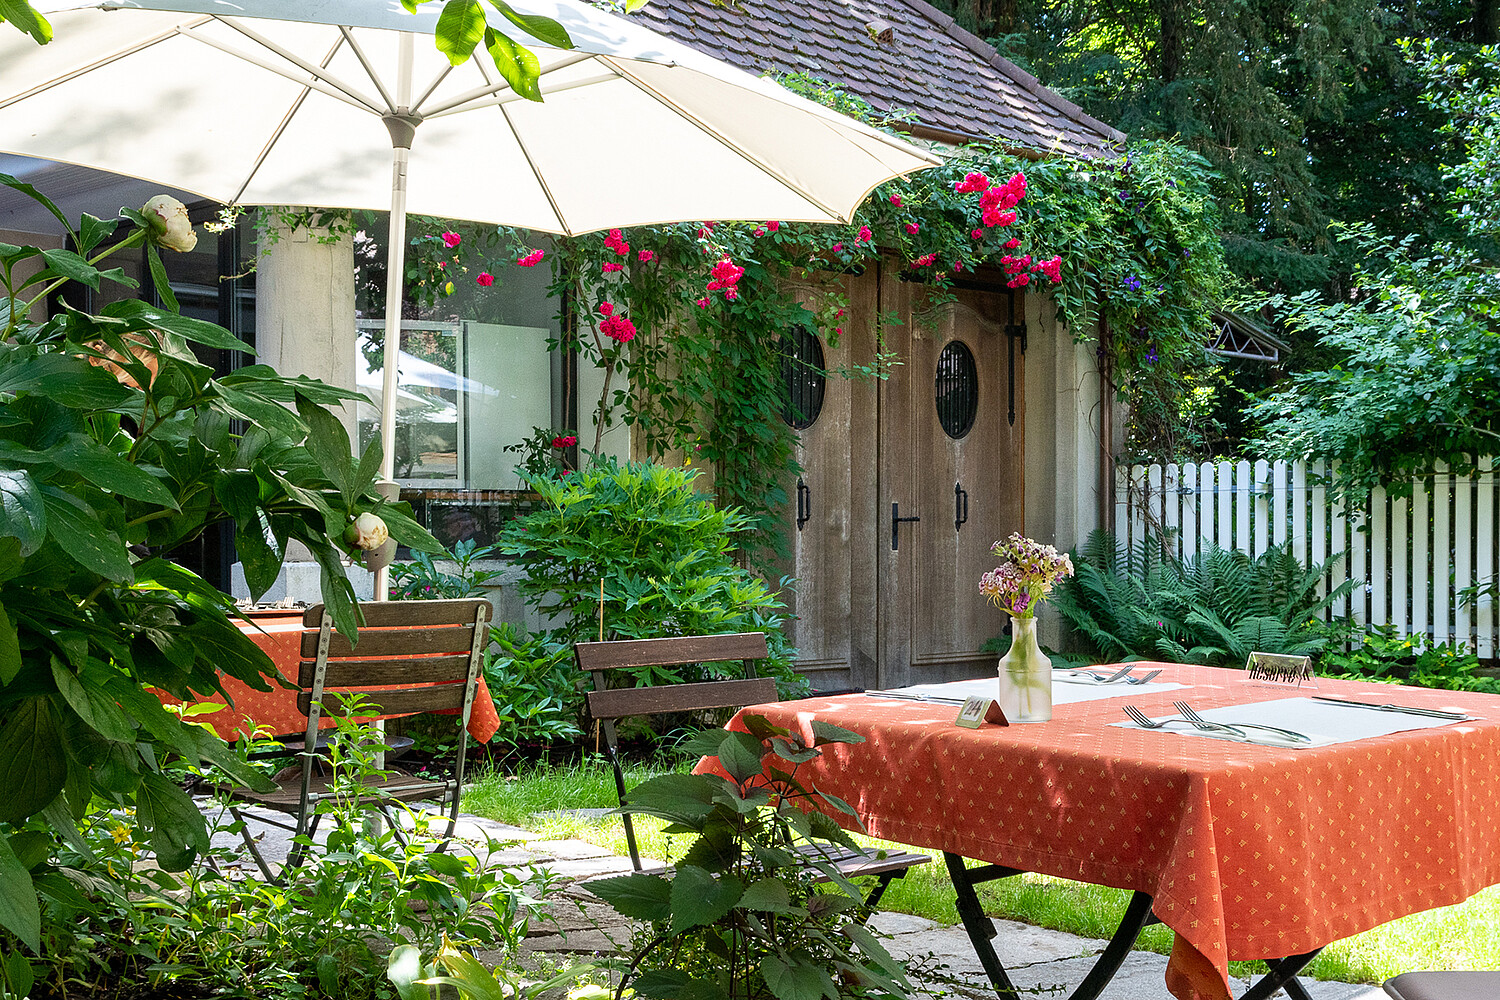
1454,937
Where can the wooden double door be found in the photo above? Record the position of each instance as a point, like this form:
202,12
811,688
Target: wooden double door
912,467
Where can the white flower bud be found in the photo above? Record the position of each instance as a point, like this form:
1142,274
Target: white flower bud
170,227
366,532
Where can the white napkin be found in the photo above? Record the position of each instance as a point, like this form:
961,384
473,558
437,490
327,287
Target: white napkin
989,687
1322,722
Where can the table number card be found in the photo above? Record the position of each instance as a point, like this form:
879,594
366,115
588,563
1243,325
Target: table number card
976,711
1280,669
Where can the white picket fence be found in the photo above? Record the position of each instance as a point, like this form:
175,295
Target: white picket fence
1415,555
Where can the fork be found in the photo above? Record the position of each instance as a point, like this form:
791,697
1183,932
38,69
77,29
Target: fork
1145,721
1118,675
1143,679
1186,711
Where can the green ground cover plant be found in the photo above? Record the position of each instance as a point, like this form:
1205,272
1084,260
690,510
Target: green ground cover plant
110,917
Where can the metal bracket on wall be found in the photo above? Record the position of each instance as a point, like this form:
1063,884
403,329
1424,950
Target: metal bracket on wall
804,503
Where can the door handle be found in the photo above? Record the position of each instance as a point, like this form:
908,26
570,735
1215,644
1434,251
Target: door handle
960,506
896,521
804,503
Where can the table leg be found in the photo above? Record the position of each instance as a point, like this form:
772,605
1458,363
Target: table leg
1283,975
981,929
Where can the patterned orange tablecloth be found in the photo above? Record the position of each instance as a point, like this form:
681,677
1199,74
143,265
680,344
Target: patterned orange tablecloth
1247,851
281,638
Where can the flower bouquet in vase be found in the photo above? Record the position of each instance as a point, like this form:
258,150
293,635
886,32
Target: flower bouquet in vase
1027,573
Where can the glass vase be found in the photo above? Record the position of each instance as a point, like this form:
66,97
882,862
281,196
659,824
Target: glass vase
1025,676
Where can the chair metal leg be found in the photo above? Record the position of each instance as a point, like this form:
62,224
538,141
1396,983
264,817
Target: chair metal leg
254,848
294,858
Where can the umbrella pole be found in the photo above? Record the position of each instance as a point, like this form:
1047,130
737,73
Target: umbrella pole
403,129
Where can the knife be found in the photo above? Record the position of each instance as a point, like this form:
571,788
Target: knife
914,697
1435,713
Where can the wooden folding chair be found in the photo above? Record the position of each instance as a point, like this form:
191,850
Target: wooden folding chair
607,705
411,656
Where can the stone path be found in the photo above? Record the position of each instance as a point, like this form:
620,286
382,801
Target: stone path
1052,962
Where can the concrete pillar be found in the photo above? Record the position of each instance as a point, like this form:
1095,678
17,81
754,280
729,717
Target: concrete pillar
304,325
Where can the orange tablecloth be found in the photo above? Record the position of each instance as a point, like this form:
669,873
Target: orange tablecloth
1247,851
281,638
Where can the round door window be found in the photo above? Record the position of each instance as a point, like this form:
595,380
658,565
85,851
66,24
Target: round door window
803,374
957,389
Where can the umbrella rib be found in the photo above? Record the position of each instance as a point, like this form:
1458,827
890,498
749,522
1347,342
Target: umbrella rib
286,121
472,100
140,46
316,83
535,172
416,105
364,61
747,155
318,73
459,102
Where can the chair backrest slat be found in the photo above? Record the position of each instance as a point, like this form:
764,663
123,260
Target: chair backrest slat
407,701
401,614
618,703
389,670
403,642
623,653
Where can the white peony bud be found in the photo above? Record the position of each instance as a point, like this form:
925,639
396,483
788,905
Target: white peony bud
170,227
366,532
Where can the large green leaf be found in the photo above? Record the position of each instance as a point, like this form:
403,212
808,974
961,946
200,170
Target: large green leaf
69,265
197,330
170,822
770,895
93,704
20,912
32,765
699,898
517,64
107,470
640,896
17,11
259,410
65,379
543,29
23,516
459,29
160,280
328,443
796,980
740,754
406,530
92,230
78,531
10,649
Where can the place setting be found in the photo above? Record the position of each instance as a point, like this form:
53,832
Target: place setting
1293,723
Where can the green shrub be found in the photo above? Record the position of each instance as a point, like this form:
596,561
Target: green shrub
1383,654
662,554
537,688
1216,609
421,580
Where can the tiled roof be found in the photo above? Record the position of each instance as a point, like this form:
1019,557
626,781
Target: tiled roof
959,87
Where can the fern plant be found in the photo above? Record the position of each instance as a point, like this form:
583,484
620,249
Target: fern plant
1215,609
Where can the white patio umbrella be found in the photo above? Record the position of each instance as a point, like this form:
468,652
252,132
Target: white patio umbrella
278,102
